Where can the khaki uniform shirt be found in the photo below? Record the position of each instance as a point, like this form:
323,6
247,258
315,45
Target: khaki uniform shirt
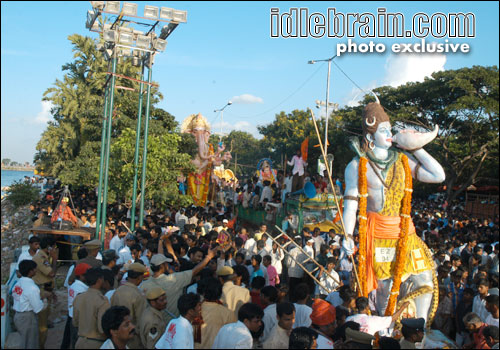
234,297
173,285
215,316
278,339
151,326
405,344
93,262
130,296
88,308
43,268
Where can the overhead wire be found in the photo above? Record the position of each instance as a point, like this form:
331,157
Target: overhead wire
284,100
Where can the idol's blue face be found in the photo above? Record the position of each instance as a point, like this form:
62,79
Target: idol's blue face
382,138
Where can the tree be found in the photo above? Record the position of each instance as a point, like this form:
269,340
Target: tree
70,146
164,165
6,161
464,104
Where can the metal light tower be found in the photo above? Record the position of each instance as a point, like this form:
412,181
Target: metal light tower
140,47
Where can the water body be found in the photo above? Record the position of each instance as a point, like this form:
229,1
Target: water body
9,176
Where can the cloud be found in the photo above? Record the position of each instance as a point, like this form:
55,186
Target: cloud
44,116
355,95
247,99
403,68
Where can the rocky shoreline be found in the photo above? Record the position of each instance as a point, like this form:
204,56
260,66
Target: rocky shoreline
15,232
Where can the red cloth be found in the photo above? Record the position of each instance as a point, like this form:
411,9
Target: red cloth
256,298
65,213
479,340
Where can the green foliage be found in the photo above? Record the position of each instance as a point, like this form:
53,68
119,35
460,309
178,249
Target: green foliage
70,146
164,164
6,161
22,193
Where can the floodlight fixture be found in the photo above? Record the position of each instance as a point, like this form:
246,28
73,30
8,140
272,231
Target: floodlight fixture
136,61
166,13
151,12
126,38
110,35
143,41
159,44
95,26
91,17
129,9
179,16
125,52
167,30
99,5
113,6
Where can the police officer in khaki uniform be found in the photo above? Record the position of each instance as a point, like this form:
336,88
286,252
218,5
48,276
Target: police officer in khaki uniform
44,278
233,296
358,340
130,296
88,309
93,248
153,321
413,332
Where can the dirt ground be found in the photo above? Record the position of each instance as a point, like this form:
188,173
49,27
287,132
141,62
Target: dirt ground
58,312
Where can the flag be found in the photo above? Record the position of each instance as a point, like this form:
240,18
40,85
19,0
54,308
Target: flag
303,149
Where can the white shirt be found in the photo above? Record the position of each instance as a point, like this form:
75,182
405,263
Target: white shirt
371,324
269,320
276,258
251,247
116,243
125,256
70,271
178,335
76,288
324,342
24,256
267,192
26,295
491,320
479,308
302,315
309,250
334,299
328,282
233,336
298,165
108,344
318,241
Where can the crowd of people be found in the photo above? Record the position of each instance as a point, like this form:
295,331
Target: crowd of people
196,277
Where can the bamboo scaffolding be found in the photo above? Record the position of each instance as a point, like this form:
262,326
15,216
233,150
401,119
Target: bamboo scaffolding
310,273
328,170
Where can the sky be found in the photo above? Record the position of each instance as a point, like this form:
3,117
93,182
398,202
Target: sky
225,52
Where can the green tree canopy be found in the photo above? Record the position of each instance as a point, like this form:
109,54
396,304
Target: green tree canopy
70,146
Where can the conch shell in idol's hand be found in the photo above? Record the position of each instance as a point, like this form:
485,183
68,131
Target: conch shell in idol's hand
410,139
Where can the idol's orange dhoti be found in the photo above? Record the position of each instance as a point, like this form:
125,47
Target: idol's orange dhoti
382,239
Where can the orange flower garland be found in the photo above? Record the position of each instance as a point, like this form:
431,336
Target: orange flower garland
403,238
362,219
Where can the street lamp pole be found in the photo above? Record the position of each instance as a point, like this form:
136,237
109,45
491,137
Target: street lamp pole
221,110
329,60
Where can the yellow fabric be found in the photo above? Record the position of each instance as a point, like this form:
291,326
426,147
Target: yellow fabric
383,234
394,194
384,270
199,183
